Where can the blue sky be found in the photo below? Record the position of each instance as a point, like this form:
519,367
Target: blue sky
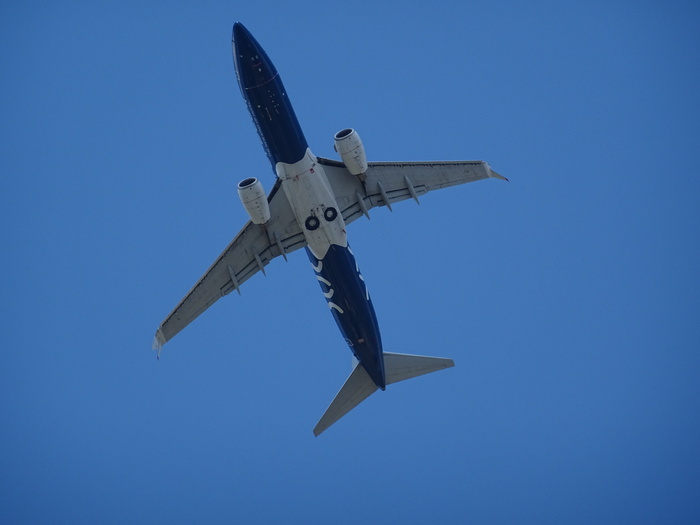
568,297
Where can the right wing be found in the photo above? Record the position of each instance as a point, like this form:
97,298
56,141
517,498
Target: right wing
250,251
389,182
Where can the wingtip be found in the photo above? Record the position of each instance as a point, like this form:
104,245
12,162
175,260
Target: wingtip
493,174
158,342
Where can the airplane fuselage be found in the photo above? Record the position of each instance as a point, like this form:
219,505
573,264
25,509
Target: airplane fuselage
311,198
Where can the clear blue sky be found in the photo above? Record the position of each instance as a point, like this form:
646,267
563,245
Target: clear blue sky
568,298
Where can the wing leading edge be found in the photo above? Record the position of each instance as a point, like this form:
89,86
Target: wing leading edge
390,182
249,252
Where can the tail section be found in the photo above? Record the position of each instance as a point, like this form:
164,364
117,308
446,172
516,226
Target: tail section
399,367
359,386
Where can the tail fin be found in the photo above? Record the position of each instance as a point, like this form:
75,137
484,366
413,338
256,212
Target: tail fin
359,386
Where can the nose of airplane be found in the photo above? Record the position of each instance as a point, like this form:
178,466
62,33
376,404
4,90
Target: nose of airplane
253,66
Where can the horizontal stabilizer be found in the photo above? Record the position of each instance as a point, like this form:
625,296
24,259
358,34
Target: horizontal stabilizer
358,387
403,366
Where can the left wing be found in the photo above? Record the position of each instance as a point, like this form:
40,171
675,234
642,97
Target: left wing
250,251
390,182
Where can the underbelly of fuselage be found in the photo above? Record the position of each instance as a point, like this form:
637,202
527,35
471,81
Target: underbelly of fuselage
315,208
312,200
346,293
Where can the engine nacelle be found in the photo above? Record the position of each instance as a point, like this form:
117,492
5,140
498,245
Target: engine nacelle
254,200
349,145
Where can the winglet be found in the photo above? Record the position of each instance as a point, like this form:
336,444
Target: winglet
158,342
494,174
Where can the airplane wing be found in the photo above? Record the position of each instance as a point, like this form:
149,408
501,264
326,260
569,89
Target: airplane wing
390,182
250,251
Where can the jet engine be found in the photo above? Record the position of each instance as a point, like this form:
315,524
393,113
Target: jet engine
349,145
254,200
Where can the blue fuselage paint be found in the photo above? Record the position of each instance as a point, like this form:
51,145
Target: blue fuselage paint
346,293
267,100
285,144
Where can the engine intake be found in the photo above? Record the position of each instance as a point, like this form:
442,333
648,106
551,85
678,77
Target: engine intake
349,145
254,200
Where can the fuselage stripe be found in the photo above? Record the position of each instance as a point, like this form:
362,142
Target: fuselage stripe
335,306
259,85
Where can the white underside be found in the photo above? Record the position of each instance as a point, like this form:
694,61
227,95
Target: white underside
309,193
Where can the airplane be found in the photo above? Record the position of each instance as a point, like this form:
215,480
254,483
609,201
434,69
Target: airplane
312,202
